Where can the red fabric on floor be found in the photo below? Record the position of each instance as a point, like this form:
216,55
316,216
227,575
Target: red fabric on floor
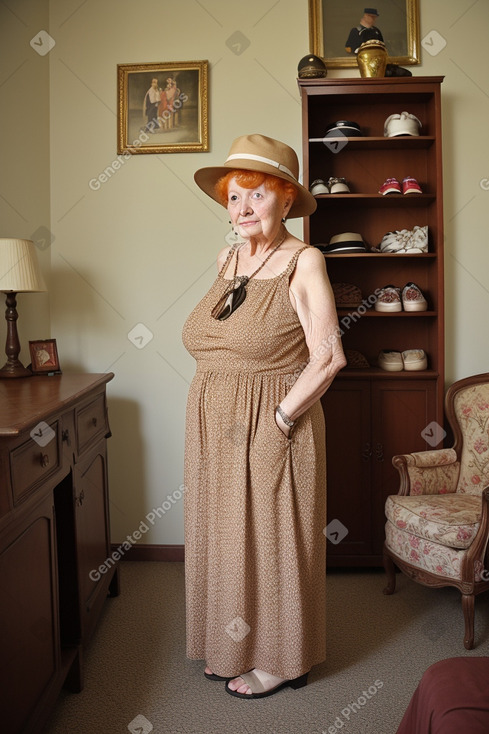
452,697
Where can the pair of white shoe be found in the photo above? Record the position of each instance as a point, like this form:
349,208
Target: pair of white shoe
406,241
391,299
410,360
331,186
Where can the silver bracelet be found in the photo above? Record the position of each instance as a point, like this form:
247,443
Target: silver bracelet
284,417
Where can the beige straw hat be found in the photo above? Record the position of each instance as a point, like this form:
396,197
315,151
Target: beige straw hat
259,153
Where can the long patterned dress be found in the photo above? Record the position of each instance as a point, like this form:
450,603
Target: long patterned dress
255,500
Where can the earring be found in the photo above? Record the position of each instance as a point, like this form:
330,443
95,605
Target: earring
284,220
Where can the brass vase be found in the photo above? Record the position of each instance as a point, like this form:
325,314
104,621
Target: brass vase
372,59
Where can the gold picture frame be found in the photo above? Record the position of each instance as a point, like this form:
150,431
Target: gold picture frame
162,107
330,22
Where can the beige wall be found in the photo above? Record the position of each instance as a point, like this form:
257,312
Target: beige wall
142,248
466,178
24,155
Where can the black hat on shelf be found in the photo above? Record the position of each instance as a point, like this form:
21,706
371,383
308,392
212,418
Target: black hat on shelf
348,128
344,242
311,67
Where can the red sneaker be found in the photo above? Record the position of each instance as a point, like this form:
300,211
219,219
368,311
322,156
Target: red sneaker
410,186
390,186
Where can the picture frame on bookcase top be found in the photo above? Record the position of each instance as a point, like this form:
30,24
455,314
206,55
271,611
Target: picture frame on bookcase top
330,22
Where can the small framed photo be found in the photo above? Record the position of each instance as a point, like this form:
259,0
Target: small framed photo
44,356
162,108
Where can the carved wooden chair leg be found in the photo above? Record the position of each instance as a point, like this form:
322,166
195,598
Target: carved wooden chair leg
390,570
468,609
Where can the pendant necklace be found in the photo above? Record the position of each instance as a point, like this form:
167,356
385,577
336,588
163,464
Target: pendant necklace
235,296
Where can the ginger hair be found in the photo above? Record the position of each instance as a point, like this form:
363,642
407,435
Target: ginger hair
253,179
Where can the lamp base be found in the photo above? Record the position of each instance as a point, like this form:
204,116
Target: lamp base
14,369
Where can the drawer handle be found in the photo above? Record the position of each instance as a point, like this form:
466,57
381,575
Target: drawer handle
44,460
80,498
94,421
65,436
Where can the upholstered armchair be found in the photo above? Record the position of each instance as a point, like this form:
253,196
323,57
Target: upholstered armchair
437,525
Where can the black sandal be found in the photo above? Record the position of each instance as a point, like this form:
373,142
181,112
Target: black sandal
213,676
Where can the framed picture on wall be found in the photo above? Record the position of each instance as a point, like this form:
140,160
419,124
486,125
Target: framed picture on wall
330,23
44,356
162,108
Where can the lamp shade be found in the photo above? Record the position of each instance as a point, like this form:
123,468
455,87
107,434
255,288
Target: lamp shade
19,267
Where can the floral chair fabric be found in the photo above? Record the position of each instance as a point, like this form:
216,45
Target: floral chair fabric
452,519
472,409
437,526
424,554
442,477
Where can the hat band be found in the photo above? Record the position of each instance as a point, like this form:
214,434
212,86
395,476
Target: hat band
261,159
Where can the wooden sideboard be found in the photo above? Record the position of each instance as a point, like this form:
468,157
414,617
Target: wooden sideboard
54,535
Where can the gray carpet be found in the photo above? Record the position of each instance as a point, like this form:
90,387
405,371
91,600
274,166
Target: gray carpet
137,676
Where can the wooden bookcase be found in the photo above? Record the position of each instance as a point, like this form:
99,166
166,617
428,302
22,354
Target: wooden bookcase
372,414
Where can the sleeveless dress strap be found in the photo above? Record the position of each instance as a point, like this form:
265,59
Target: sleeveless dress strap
228,258
288,270
293,261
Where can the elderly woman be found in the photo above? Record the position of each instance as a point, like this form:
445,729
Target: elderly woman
265,339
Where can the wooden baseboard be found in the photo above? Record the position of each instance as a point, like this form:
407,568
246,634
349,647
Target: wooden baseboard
142,552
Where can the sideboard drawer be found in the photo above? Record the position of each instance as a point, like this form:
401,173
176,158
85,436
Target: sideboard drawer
35,459
91,422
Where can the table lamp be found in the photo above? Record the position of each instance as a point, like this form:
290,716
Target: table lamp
19,273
